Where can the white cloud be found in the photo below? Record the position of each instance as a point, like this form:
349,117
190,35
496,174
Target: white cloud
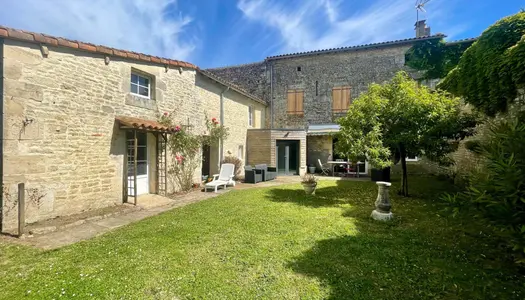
148,26
314,24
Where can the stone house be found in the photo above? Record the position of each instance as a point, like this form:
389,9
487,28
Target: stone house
73,113
307,92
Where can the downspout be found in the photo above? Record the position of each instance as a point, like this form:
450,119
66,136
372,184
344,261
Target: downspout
2,134
271,96
221,117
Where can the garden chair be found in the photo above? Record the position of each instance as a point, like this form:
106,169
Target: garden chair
223,179
324,168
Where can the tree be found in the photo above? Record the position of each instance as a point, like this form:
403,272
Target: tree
400,117
491,72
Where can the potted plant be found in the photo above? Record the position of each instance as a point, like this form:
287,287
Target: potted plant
309,182
312,169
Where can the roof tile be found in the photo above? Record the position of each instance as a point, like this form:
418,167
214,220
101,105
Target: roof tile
104,50
16,34
19,34
88,47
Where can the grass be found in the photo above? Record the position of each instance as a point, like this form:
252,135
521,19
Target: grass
277,243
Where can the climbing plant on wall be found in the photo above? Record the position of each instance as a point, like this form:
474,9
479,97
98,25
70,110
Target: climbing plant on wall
435,58
491,72
184,146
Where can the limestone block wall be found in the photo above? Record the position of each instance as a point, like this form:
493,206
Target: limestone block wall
319,147
60,135
320,73
236,112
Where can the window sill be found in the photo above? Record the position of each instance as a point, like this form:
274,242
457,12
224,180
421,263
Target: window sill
141,101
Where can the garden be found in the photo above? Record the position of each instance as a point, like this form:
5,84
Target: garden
278,243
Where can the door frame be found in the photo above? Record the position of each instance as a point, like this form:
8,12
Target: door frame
287,155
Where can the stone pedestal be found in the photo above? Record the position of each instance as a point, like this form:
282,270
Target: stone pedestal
383,206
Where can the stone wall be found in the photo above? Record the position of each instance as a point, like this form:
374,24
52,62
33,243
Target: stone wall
320,73
236,114
319,147
251,77
60,134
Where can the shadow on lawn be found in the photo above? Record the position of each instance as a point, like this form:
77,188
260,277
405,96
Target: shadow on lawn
408,258
346,192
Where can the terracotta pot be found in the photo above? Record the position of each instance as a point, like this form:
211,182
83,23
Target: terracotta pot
309,188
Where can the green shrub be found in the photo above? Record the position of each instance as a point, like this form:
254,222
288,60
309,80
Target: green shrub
497,191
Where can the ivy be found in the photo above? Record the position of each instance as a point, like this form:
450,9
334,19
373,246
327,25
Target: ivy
491,72
435,58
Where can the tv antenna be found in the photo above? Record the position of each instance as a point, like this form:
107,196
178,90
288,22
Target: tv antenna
420,7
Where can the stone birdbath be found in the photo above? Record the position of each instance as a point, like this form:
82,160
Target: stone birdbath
383,206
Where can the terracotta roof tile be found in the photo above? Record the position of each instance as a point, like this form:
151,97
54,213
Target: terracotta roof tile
88,47
39,38
105,50
19,34
147,125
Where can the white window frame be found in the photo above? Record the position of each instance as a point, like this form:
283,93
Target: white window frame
139,86
240,152
250,116
415,158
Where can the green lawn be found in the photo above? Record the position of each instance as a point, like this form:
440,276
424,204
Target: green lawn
276,243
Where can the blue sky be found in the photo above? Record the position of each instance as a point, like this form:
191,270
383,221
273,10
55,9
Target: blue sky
212,33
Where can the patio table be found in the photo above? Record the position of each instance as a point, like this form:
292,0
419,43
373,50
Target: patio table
332,163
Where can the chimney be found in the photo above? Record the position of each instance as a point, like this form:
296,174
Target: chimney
422,29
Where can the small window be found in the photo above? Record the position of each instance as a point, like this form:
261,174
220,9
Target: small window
240,152
298,69
341,99
250,116
295,102
140,85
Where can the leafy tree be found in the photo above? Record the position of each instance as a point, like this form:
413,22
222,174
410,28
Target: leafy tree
400,117
435,57
491,72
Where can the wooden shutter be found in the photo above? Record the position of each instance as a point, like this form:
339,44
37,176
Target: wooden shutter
336,99
340,99
295,102
299,97
291,102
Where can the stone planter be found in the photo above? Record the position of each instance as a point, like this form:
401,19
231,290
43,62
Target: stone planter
309,188
312,170
383,206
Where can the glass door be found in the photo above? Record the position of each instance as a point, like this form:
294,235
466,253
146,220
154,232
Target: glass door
287,157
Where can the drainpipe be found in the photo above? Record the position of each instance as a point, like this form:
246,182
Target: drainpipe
271,96
2,134
221,117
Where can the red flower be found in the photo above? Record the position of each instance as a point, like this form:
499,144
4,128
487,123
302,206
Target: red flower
166,114
214,120
177,128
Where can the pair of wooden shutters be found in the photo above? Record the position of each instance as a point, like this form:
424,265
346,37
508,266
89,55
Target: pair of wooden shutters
340,99
295,102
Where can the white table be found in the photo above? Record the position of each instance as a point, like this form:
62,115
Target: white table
333,163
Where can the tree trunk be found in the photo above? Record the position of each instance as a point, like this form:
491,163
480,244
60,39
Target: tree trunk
404,184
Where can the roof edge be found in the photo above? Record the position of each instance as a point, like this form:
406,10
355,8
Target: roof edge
39,38
236,66
232,86
357,47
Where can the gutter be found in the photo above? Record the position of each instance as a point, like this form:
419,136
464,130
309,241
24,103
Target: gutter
221,117
2,134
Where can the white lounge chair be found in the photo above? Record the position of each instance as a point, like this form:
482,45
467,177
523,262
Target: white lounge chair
223,179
